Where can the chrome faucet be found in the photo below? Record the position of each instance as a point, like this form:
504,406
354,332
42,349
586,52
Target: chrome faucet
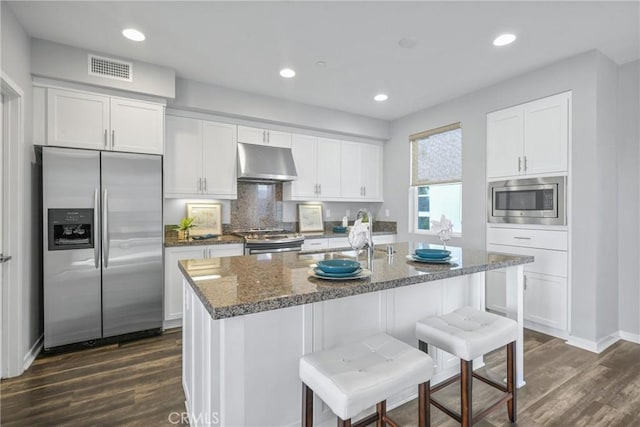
361,215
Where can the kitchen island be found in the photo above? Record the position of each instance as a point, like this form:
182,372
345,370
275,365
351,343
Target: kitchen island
248,319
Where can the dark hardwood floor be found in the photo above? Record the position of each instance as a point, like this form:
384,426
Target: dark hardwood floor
138,383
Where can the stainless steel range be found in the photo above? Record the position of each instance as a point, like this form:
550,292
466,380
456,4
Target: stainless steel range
270,240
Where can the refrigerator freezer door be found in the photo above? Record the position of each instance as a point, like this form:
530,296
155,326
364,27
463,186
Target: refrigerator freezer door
132,274
71,277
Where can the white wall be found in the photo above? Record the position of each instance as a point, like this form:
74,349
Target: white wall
629,197
16,63
606,195
59,61
191,95
581,74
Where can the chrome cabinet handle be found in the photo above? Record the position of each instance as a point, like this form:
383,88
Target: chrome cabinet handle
269,137
205,184
96,216
525,283
4,258
113,138
200,184
319,188
525,163
105,138
264,136
522,238
364,190
519,164
105,229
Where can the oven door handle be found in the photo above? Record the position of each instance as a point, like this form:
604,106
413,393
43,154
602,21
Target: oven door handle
271,251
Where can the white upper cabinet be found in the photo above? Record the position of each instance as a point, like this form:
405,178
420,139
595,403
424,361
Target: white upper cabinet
529,139
361,171
137,126
78,120
200,159
316,164
251,135
86,120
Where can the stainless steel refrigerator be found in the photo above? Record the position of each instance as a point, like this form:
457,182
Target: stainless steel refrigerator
102,244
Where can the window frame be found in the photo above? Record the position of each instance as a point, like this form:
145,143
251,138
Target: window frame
414,186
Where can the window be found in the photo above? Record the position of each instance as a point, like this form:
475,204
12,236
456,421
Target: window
436,177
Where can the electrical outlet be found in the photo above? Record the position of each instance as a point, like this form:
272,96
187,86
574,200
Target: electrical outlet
387,213
327,214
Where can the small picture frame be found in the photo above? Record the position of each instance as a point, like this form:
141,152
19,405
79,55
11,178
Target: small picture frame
207,218
310,218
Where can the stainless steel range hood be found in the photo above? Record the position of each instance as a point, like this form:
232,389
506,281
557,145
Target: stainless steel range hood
263,163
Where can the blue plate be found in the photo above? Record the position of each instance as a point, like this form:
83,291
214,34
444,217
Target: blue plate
325,274
446,260
432,253
430,258
338,266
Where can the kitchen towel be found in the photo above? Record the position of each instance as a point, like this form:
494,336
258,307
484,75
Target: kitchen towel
359,235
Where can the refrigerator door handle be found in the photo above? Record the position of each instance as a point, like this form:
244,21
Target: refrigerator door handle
96,216
105,230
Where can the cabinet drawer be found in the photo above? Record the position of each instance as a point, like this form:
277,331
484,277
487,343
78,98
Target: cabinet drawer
315,244
544,239
338,242
546,261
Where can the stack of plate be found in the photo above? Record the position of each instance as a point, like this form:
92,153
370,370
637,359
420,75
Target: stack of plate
431,256
339,269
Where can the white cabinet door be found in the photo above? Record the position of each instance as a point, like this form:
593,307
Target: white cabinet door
251,135
303,148
276,138
505,140
545,300
546,134
78,120
371,157
137,126
215,251
219,159
183,157
173,281
327,168
351,171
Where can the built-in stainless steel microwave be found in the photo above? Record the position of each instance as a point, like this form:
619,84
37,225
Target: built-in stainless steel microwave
528,201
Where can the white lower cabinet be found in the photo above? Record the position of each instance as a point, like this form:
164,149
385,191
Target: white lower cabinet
173,275
546,285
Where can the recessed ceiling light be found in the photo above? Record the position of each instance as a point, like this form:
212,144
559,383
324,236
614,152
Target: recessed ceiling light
381,97
321,64
504,39
133,34
287,73
407,42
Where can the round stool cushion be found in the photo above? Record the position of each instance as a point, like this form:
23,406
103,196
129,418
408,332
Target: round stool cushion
466,332
355,376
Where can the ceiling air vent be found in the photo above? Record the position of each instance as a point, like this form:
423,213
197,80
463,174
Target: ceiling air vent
110,68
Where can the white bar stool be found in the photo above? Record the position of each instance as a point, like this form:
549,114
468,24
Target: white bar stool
469,333
355,376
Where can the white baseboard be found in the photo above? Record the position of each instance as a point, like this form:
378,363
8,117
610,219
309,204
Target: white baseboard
628,336
547,330
594,346
170,324
34,351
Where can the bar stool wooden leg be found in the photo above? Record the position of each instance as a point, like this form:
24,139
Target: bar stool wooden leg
511,377
381,409
344,423
466,374
424,405
307,406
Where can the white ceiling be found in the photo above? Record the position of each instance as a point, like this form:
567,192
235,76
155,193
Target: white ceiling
243,45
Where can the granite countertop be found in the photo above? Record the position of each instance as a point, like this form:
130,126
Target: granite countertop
170,242
330,234
240,285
